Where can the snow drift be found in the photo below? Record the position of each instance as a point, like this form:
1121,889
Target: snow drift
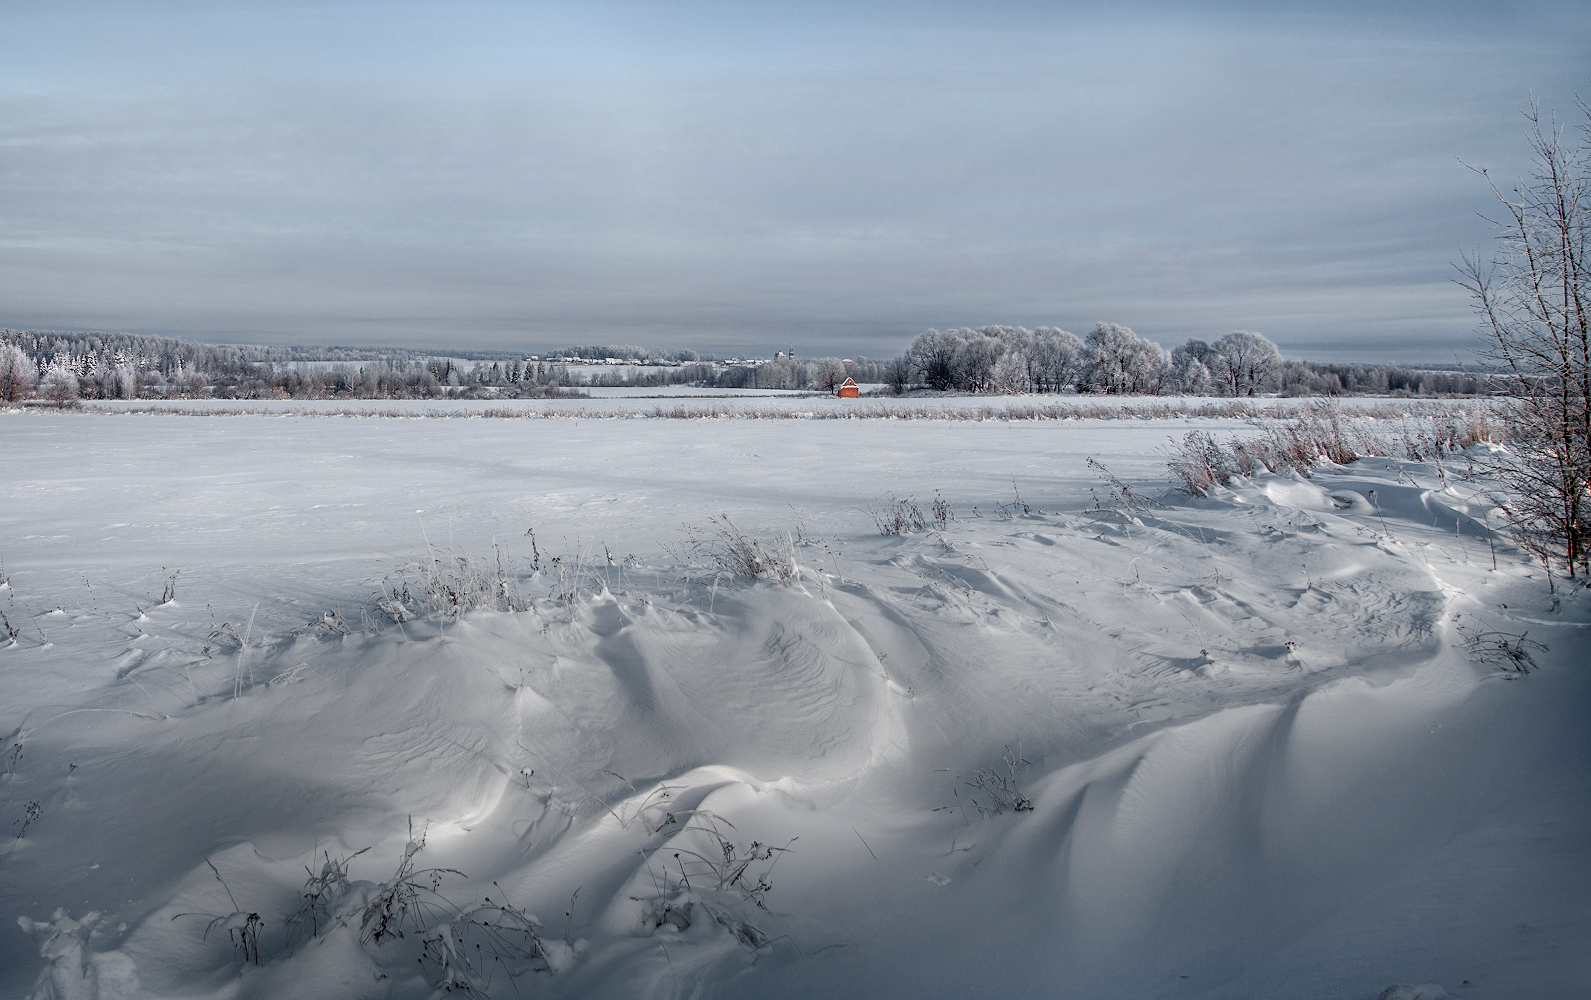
1071,744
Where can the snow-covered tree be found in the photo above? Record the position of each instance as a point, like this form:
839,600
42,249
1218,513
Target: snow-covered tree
975,359
126,382
1055,359
1249,362
1119,361
1194,349
17,373
827,373
1011,376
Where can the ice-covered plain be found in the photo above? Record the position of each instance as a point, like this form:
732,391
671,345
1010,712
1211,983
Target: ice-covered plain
1058,742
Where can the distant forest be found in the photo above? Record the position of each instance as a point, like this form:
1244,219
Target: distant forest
1112,359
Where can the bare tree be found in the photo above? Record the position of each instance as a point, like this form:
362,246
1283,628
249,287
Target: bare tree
1533,296
933,354
898,375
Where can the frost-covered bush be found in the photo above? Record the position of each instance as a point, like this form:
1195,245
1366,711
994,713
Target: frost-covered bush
59,387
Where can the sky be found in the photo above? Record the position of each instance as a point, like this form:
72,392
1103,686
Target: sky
756,176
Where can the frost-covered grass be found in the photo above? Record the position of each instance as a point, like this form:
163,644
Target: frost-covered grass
724,405
1327,434
659,708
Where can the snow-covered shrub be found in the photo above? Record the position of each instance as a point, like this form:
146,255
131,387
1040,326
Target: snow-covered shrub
320,893
243,928
1125,500
406,920
59,387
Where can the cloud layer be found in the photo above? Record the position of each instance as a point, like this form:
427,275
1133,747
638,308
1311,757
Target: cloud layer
732,180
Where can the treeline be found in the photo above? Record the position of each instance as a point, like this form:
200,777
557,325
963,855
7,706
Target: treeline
67,366
63,366
1113,359
818,374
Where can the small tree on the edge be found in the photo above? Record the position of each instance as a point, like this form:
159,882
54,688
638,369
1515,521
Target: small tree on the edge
16,373
1533,297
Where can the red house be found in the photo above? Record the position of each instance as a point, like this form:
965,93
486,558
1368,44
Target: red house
848,389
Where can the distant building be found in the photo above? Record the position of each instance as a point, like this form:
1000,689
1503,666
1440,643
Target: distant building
849,389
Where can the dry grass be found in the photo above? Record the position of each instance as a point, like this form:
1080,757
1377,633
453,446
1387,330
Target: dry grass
732,550
1326,434
1076,408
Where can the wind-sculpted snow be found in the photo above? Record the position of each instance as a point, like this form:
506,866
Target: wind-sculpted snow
1072,745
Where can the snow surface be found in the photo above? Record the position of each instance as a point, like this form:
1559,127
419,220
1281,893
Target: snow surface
691,400
1252,755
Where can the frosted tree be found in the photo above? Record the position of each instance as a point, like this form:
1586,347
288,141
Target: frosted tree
1011,373
126,382
1055,359
1118,361
1191,376
1194,349
1249,362
17,373
827,373
975,359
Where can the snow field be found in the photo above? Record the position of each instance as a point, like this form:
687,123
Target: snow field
1251,755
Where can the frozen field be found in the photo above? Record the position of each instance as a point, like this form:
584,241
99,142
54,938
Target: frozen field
1065,744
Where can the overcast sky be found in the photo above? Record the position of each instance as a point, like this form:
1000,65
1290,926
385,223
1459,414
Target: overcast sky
744,177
